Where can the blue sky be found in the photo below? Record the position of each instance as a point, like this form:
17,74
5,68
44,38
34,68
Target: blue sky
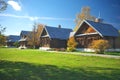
21,14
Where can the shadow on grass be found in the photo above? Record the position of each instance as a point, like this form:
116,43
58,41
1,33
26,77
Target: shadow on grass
26,71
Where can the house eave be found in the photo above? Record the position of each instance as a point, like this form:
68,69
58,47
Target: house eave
22,40
86,34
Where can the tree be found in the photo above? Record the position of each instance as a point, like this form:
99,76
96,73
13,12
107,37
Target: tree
39,31
71,44
2,29
99,46
16,44
3,5
2,37
2,40
33,37
85,14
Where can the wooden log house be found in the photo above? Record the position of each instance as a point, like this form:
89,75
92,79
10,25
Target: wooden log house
11,39
24,39
89,31
54,37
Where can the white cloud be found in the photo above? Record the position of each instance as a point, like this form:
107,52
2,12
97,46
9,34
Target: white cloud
15,5
34,18
53,18
22,17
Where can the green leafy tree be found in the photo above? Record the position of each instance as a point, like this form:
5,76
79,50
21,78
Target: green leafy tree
16,44
3,5
2,29
99,46
2,37
71,44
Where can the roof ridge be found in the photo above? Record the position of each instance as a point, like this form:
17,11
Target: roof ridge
13,35
58,28
26,31
100,22
104,28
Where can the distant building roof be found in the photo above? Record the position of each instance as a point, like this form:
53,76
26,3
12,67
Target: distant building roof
13,38
58,33
25,32
103,29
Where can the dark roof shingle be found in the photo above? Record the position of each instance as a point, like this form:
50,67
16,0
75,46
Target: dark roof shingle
13,38
104,29
25,32
58,33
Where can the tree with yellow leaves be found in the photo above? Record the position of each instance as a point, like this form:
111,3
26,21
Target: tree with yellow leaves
33,37
71,44
99,46
85,14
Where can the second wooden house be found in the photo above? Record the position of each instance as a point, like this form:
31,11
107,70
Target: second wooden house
54,37
30,39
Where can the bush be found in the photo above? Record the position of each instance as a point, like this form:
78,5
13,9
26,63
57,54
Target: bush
99,46
16,44
71,45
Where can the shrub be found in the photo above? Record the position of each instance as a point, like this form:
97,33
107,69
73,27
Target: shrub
16,44
99,46
71,44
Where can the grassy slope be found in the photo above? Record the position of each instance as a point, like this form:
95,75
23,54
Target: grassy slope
39,65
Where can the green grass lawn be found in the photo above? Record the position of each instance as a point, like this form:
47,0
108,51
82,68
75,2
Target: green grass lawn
106,53
18,64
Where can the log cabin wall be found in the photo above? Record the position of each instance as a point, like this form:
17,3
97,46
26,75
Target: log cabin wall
52,43
113,41
10,44
85,41
117,42
44,42
57,43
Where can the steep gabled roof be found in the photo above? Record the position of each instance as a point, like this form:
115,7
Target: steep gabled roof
13,38
102,28
58,33
25,32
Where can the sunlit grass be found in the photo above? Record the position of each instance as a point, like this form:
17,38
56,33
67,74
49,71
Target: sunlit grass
31,64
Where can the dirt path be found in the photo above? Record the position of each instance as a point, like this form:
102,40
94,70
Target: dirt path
88,54
100,55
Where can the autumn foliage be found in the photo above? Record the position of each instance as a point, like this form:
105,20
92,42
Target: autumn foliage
71,44
99,46
33,37
2,40
83,15
90,30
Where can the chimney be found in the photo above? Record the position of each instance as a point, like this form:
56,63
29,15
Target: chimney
98,20
59,26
